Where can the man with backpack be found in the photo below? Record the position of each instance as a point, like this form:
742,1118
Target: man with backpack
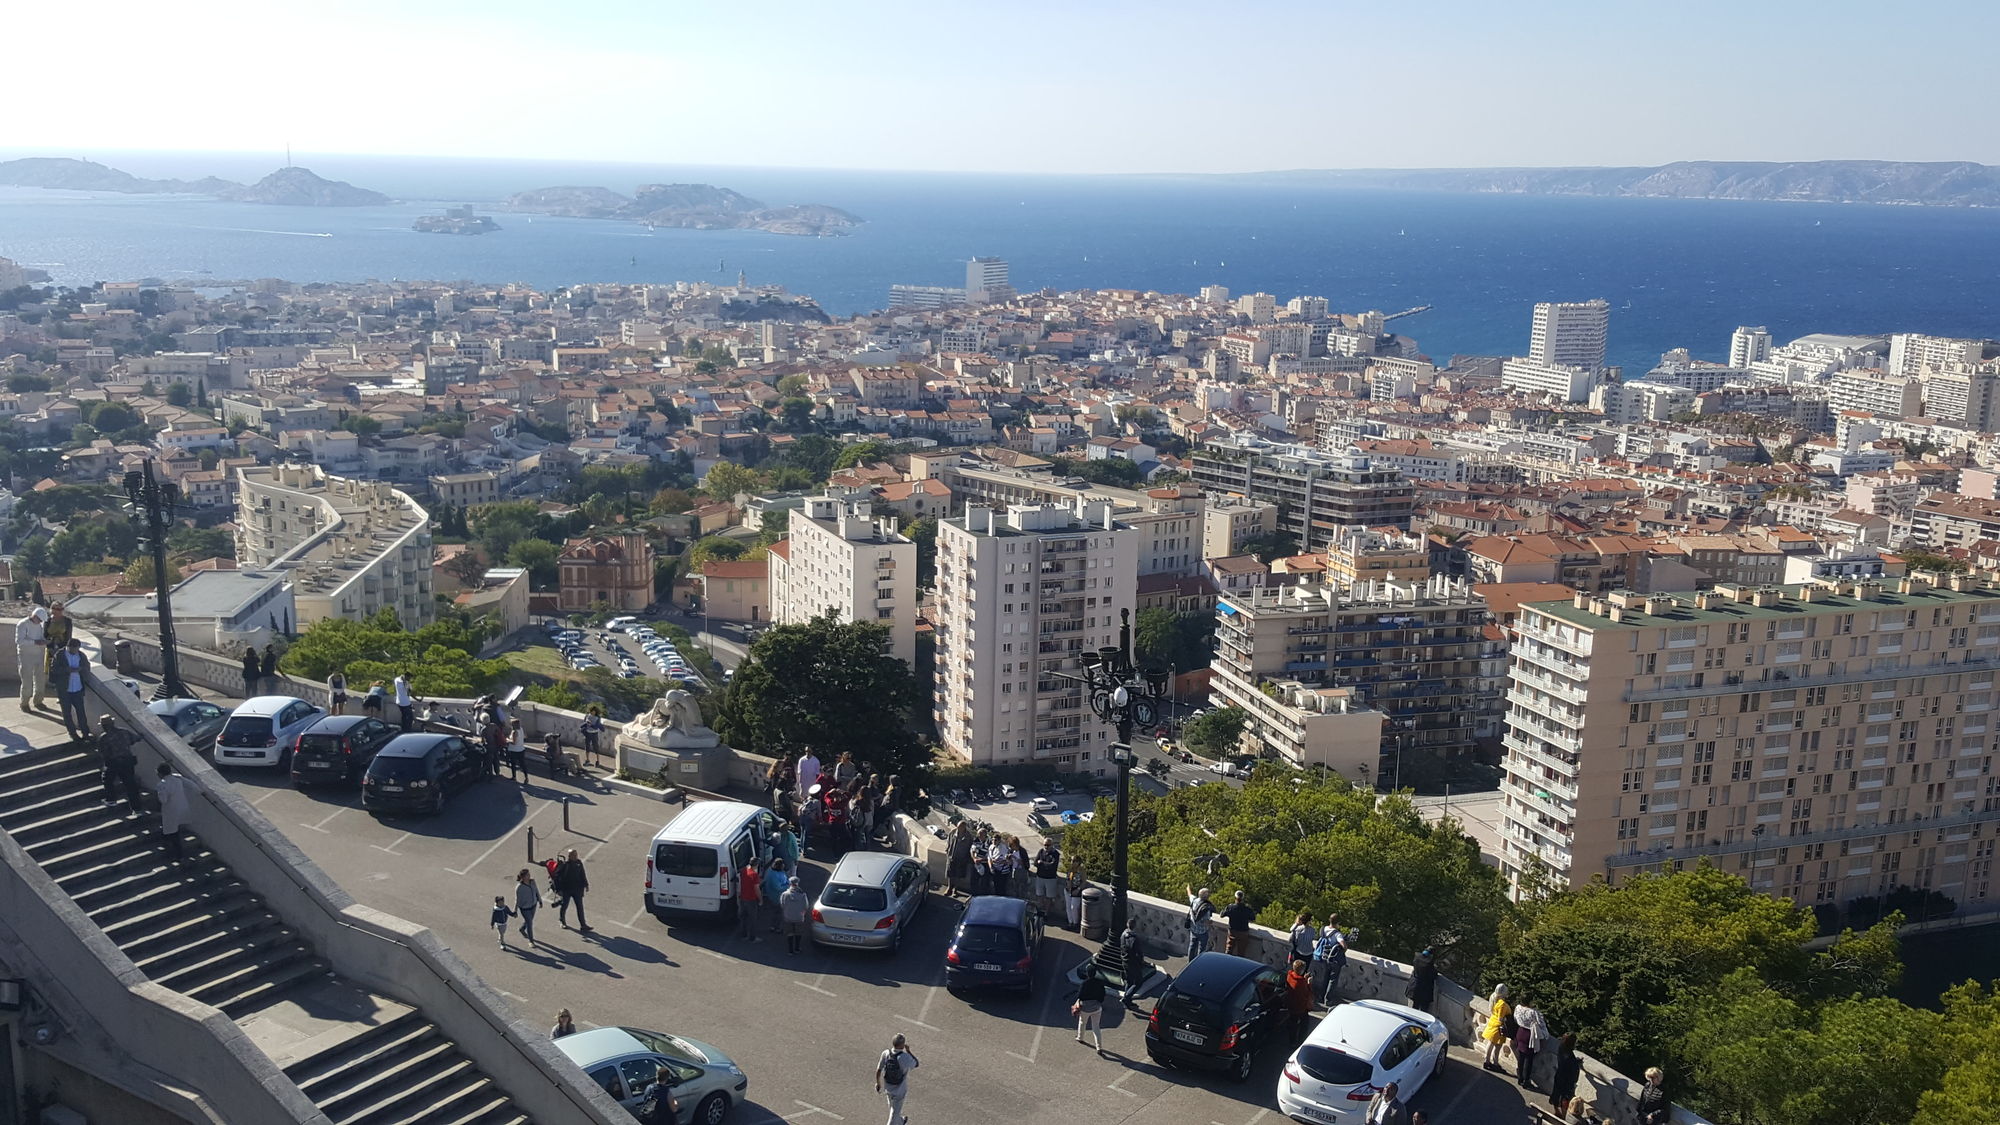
892,1076
1329,959
1200,910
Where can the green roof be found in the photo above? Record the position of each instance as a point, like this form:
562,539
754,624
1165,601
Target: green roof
1724,609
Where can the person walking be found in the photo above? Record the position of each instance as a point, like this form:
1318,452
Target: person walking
1201,912
371,704
794,906
658,1105
1499,1027
31,647
1089,1009
777,880
1073,888
565,1025
175,795
1654,1106
527,897
336,692
72,668
498,919
119,766
749,898
57,632
405,702
1047,866
1332,949
1422,989
1562,1087
267,668
593,729
570,883
1386,1108
1239,915
1527,1041
1133,959
892,1076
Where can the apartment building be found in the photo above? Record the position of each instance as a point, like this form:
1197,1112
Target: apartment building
840,559
1570,333
614,569
1319,495
1872,392
1365,553
1416,651
1021,593
1563,382
1828,740
1170,524
1749,344
1228,522
352,548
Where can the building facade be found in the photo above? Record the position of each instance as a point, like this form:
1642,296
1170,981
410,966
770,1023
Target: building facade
840,559
352,548
1570,333
1319,495
614,569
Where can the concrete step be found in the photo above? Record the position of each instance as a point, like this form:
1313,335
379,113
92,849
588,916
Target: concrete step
233,951
19,800
353,1092
244,993
21,770
459,1092
67,819
333,1067
177,933
484,1106
105,886
422,1079
132,921
117,842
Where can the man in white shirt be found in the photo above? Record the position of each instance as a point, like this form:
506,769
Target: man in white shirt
808,772
404,701
899,1052
71,668
31,644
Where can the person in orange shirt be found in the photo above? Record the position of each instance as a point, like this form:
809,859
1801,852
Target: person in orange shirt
1298,998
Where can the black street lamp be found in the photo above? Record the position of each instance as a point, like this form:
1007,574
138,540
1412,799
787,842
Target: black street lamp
156,500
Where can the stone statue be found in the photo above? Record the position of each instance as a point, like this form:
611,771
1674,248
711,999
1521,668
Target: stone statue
674,722
683,713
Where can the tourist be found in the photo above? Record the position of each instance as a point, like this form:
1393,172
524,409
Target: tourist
31,648
57,633
1499,1027
1200,912
336,692
593,729
1239,915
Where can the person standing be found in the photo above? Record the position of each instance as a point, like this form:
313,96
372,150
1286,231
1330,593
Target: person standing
31,646
1303,937
268,668
892,1076
1000,857
515,755
404,701
1527,1041
1133,959
777,879
57,632
808,774
844,769
593,729
1654,1107
958,860
1423,981
565,1025
1569,1068
1201,911
793,906
336,692
1386,1108
1298,997
1048,875
1332,949
1239,915
175,794
1089,1009
1499,1026
119,765
749,898
371,704
72,668
1073,888
658,1105
527,897
570,884
252,668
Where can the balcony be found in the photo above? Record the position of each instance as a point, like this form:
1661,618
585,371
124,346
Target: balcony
1538,799
1735,683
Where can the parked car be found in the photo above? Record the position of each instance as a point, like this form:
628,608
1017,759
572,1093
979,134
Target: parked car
1008,792
418,773
624,1060
869,901
260,732
338,748
1043,804
1216,1015
1354,1052
995,946
196,721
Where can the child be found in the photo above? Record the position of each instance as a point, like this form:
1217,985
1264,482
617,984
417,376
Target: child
501,912
553,751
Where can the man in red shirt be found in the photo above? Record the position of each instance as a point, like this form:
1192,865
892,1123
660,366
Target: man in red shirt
748,896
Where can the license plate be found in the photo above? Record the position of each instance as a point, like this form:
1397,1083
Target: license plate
1318,1114
1189,1036
241,754
987,968
669,900
836,935
389,788
319,765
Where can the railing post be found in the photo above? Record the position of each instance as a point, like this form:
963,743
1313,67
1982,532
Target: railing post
531,844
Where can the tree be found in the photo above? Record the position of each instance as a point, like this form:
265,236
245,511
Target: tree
1272,545
714,548
497,527
863,453
1939,564
540,557
1114,471
555,695
827,685
139,574
179,394
111,417
361,425
194,543
727,480
923,532
1217,732
1165,639
792,385
438,657
467,566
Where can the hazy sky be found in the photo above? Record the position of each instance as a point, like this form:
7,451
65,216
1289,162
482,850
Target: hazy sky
1031,85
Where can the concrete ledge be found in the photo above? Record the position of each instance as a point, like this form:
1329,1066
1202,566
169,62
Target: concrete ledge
665,796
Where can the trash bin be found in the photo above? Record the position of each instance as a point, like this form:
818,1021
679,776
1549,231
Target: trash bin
1096,914
121,656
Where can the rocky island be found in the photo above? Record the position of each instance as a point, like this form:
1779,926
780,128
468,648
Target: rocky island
455,220
685,206
286,187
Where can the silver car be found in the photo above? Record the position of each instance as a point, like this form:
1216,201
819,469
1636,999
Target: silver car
624,1060
869,901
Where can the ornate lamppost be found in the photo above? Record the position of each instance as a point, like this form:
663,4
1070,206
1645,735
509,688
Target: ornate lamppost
155,500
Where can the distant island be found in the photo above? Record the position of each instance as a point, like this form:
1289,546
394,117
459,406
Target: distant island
286,187
685,206
1927,184
455,220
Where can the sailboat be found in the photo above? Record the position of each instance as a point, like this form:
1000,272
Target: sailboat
1401,233
720,265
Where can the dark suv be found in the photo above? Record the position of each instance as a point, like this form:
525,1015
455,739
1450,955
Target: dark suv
1216,1015
416,772
338,749
995,945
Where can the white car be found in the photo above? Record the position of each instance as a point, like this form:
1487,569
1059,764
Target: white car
1358,1049
1043,804
623,1060
261,731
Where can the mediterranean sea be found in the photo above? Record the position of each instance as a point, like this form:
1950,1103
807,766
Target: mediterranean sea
1678,273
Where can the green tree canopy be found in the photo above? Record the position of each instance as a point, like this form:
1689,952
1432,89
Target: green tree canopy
726,480
439,658
923,532
863,453
497,527
1114,471
1165,639
195,543
1217,732
539,556
712,548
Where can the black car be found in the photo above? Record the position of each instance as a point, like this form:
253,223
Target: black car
995,945
338,749
417,772
1217,1014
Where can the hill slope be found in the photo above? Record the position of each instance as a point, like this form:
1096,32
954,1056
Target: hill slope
1934,184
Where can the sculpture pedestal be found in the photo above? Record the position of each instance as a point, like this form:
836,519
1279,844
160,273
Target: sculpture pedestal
688,758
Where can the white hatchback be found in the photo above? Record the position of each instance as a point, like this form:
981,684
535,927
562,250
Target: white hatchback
261,731
1358,1049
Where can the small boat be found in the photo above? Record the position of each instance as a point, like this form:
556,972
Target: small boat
1400,233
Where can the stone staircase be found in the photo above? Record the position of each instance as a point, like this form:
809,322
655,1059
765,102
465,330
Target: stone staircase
193,927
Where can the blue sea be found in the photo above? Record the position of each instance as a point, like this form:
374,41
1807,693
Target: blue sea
1677,273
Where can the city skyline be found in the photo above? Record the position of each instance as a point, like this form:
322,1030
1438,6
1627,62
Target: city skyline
1455,87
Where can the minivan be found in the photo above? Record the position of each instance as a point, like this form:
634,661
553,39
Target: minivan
418,772
261,730
338,748
693,863
994,946
1217,1014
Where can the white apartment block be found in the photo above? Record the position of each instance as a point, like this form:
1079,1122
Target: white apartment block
1643,401
1748,345
1828,741
1311,308
1261,308
1228,522
986,280
352,547
1021,593
1873,392
840,559
1532,376
1570,334
1168,527
1913,354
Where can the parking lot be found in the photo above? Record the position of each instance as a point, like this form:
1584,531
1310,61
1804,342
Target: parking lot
807,1029
606,648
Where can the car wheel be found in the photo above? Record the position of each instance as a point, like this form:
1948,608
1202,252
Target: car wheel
712,1109
1245,1063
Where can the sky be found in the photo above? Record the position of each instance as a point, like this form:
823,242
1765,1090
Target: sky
1029,86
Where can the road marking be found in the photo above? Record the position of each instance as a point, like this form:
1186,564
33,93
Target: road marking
511,996
467,870
815,985
719,956
321,826
1464,1088
592,853
1041,1025
632,923
811,1109
1120,1084
391,849
267,796
920,1023
1260,1116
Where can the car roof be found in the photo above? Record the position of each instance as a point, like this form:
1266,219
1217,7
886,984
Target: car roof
1365,1025
865,868
1213,976
994,910
600,1045
414,745
336,724
708,822
171,706
265,704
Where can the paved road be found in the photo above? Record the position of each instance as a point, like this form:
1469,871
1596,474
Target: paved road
807,1028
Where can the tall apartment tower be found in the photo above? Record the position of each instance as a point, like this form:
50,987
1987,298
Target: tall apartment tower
840,558
1021,594
1830,741
1749,345
986,280
1570,333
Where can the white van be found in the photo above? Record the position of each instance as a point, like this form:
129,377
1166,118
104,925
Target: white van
693,863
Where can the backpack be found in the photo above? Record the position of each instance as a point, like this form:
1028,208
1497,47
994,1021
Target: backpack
1509,1025
892,1068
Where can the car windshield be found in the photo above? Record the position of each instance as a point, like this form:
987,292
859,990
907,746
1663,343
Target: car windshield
988,939
848,897
1335,1068
668,1045
396,769
687,860
246,730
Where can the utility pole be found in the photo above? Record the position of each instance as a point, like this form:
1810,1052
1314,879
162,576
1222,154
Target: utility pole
156,499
